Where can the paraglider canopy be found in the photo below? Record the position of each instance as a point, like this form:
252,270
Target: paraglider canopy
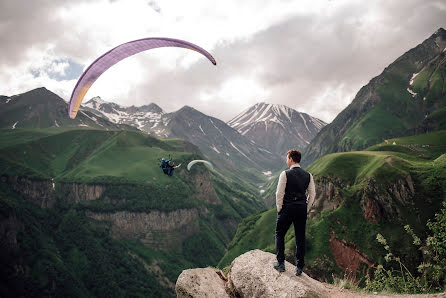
207,163
107,60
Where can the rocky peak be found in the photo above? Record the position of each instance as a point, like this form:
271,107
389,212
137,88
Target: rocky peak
440,34
144,117
95,102
277,127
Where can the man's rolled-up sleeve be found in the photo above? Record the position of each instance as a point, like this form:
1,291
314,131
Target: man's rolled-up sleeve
280,192
311,191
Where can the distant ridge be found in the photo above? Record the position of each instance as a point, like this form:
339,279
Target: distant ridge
41,108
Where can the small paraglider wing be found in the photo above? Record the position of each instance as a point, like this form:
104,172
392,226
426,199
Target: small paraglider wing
100,65
207,163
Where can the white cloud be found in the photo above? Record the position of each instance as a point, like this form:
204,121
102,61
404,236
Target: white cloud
311,55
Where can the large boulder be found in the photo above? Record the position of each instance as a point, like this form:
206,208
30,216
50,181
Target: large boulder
202,282
252,275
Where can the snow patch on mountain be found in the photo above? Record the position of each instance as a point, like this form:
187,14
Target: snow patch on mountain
235,147
413,78
411,92
203,131
215,125
215,149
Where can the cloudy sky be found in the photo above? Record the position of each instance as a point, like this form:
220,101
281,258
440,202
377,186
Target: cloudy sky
312,56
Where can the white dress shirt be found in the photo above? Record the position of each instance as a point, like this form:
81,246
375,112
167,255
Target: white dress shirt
281,185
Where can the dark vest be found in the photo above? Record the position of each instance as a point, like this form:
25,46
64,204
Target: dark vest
297,181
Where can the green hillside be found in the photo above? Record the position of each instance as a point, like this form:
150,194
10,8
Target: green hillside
399,110
125,165
408,97
61,253
361,175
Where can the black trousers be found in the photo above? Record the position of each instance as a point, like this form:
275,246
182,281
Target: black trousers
295,214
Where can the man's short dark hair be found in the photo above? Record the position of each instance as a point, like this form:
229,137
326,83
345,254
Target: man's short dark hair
294,154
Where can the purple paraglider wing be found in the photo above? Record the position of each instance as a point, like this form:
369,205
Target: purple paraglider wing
100,65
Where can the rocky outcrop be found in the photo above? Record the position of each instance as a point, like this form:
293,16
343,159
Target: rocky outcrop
202,282
43,192
205,189
378,202
77,192
348,258
328,195
252,275
39,192
159,230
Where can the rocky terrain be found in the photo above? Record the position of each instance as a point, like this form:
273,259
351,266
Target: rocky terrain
252,275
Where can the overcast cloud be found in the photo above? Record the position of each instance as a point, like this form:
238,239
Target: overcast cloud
313,56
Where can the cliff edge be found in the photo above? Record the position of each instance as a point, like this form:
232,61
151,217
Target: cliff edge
252,275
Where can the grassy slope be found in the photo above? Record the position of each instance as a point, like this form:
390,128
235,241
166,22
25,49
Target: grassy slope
398,110
423,157
128,163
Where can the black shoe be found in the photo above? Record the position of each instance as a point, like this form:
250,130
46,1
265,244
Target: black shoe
279,266
298,271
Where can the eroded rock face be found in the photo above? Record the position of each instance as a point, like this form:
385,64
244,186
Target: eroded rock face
205,189
159,230
201,282
39,192
378,203
77,192
348,258
328,195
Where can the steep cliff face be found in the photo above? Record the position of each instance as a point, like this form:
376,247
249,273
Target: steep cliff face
349,258
205,189
39,192
159,230
43,192
77,192
377,202
328,194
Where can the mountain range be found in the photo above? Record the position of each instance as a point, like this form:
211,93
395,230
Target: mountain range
41,108
277,128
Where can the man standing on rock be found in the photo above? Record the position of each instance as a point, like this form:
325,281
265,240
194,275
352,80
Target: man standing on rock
292,208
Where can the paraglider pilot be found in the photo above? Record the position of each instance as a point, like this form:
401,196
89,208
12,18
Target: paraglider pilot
168,166
172,167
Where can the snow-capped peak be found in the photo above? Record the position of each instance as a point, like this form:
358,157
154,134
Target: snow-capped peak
276,126
261,112
144,117
98,100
